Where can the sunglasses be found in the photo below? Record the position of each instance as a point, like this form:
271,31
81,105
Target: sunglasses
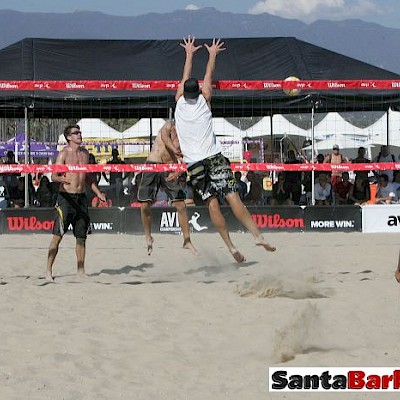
76,133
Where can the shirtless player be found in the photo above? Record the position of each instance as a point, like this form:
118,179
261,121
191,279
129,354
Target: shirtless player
72,207
165,150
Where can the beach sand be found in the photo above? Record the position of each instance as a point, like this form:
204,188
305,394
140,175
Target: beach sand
176,326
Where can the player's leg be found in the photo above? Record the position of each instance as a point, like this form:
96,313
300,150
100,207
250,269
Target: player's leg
242,215
218,221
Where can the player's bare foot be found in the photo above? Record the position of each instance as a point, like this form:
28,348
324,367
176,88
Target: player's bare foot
81,273
397,275
187,244
49,277
150,242
261,242
238,256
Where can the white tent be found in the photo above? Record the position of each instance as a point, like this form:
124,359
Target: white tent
143,127
94,128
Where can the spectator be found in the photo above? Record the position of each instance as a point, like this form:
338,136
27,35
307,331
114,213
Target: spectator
95,177
17,193
307,180
385,156
134,191
293,178
335,158
323,191
254,196
386,193
360,193
342,190
11,180
44,193
280,192
241,186
396,183
115,179
361,159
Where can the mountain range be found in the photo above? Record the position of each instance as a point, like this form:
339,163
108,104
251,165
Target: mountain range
368,42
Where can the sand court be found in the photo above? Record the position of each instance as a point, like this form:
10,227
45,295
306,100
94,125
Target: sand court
176,326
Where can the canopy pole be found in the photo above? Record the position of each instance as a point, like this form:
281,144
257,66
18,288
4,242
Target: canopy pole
272,137
27,135
312,155
151,133
387,127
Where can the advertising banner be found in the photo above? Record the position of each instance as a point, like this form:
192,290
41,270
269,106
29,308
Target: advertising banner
339,219
381,218
106,220
165,220
289,219
27,220
41,220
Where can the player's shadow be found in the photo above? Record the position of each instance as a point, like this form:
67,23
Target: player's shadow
124,270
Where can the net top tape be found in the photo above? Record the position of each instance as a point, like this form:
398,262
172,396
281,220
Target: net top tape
266,167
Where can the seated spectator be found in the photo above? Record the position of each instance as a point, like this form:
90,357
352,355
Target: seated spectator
323,191
241,186
280,192
254,195
396,183
342,190
17,194
360,193
386,193
44,193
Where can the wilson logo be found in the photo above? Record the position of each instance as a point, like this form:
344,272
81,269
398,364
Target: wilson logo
28,224
276,221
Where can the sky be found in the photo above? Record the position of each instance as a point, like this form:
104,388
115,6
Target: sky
383,12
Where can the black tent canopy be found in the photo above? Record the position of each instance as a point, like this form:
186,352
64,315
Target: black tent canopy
244,59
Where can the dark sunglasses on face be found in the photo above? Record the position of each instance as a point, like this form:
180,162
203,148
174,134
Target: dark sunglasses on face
76,133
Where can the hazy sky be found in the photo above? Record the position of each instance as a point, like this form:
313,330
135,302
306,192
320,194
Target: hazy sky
384,12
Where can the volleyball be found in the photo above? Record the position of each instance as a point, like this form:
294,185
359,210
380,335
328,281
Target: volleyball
292,92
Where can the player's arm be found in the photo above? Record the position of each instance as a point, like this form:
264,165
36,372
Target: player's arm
169,142
213,50
190,49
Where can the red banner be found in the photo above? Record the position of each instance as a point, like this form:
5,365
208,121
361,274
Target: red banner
83,85
37,168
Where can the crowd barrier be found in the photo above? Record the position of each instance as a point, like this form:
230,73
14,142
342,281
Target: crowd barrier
369,219
165,219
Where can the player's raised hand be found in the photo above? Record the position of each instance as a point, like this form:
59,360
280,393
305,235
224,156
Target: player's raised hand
216,47
189,46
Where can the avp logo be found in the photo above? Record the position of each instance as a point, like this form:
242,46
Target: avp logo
393,220
195,224
170,222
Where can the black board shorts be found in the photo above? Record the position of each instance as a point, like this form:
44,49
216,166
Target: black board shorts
72,210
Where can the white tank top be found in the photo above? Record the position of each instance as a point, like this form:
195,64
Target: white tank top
193,120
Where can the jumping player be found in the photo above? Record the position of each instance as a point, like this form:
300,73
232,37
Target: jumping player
209,170
165,150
